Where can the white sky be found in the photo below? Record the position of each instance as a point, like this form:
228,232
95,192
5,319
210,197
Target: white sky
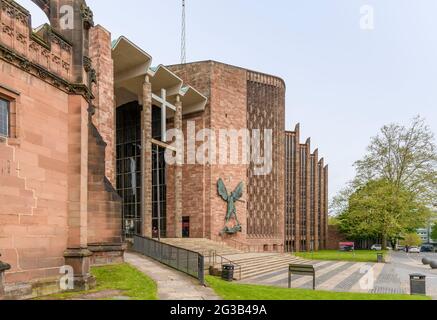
343,83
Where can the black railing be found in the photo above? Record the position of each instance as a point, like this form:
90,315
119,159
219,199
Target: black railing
186,261
214,259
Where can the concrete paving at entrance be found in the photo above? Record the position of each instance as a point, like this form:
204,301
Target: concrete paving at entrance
406,264
172,284
390,278
338,276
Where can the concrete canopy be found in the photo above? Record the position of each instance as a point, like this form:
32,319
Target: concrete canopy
132,66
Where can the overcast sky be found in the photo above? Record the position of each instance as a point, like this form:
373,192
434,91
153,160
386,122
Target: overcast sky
343,83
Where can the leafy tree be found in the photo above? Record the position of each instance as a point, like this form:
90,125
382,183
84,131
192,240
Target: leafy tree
412,240
382,209
405,156
333,221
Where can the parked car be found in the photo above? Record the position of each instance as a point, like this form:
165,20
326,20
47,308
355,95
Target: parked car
414,250
400,248
376,247
427,248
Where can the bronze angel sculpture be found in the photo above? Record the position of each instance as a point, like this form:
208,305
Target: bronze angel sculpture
232,210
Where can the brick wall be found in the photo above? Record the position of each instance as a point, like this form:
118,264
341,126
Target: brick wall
334,238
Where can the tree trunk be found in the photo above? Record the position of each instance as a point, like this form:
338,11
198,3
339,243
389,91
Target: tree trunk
384,242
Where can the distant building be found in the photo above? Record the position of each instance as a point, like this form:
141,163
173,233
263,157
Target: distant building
423,234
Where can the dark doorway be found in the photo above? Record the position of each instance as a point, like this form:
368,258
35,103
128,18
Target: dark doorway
186,227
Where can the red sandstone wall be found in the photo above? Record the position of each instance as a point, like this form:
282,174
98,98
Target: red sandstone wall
104,117
104,204
33,180
228,111
226,88
196,178
193,191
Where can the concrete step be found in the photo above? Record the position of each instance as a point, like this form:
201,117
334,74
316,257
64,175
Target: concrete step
270,267
261,264
258,264
202,246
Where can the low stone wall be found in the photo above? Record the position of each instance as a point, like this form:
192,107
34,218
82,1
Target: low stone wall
107,254
33,289
334,238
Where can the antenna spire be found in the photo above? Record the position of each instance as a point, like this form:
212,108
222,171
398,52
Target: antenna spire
183,38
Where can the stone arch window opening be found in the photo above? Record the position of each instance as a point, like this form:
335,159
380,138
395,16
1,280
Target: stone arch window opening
38,16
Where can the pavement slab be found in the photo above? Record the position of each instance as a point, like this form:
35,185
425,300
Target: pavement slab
172,284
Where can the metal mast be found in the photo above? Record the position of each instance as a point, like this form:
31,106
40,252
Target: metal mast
183,38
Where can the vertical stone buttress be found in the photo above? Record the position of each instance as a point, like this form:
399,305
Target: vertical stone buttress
104,117
322,204
308,195
297,191
315,199
147,158
178,173
77,255
326,202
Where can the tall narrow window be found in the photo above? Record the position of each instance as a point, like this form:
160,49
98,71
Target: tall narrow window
4,118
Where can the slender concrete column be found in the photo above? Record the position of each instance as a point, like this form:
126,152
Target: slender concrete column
147,158
178,172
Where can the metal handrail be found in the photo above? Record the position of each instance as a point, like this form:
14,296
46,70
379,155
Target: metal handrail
198,272
168,245
228,261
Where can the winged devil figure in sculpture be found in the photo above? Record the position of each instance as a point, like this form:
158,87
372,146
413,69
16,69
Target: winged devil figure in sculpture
232,210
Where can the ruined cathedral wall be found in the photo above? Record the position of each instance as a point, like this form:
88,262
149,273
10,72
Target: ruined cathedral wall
34,78
44,162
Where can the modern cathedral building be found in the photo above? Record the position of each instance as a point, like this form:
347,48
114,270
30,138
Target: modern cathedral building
97,145
306,196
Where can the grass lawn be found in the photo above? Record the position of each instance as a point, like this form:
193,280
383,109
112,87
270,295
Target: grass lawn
123,277
334,255
235,291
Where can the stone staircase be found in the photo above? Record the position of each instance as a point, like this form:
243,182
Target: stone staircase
257,264
203,246
251,264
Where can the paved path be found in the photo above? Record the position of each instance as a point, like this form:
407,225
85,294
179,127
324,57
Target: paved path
405,264
392,277
340,276
172,285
